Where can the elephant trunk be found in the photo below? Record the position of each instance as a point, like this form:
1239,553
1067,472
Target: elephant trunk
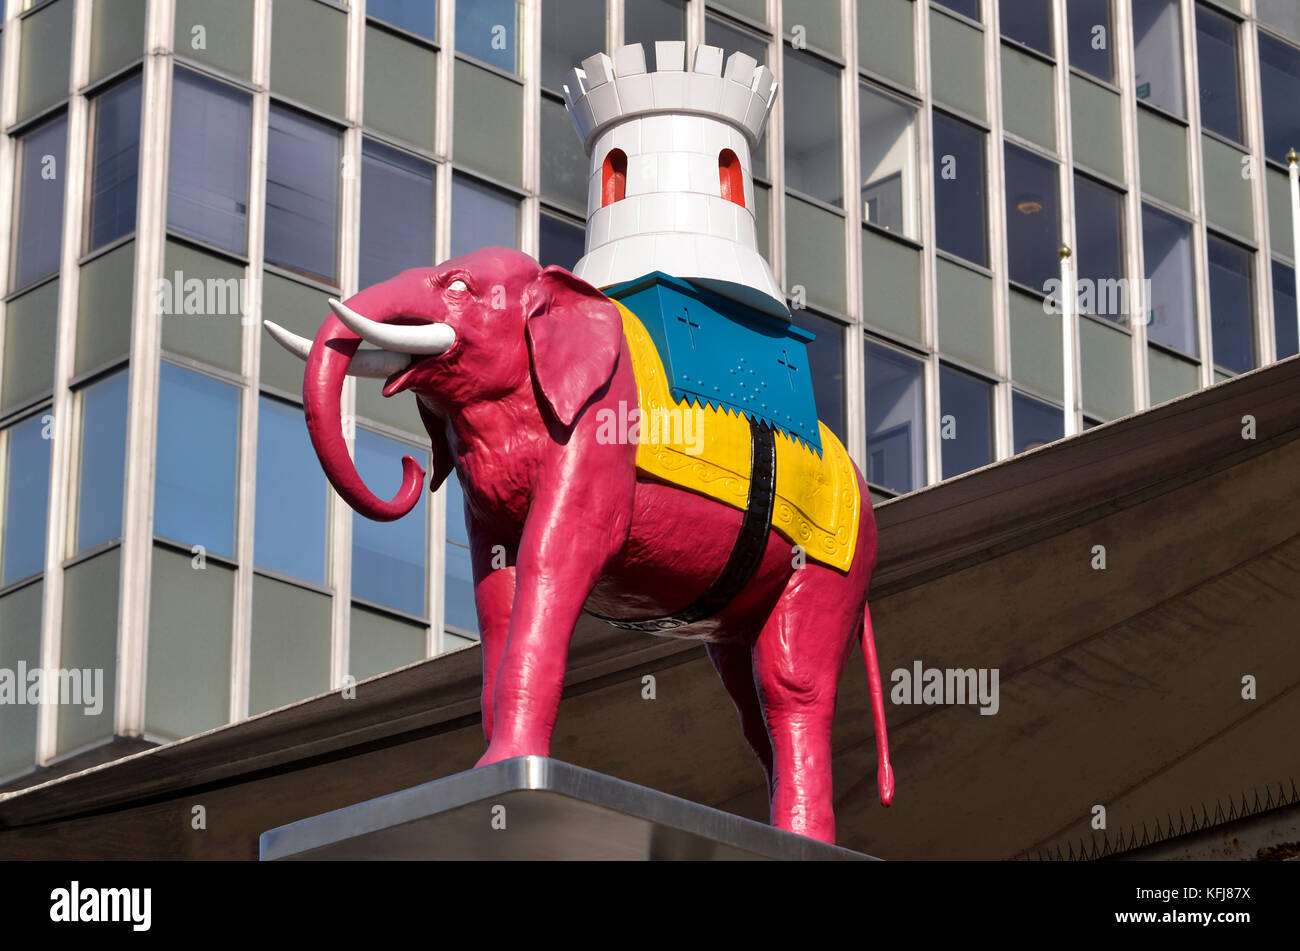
322,386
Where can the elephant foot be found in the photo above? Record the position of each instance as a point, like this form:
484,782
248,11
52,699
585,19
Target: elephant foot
496,752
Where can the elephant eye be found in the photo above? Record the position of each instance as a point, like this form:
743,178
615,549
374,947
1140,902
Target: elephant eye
457,286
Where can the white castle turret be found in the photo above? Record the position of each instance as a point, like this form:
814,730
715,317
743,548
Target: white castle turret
671,186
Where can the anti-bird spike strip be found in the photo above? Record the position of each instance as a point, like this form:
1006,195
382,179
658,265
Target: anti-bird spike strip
674,138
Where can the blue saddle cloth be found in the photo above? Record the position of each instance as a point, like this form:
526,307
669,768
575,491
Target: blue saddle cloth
720,353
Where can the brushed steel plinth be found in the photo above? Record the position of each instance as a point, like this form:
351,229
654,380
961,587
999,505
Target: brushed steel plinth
535,808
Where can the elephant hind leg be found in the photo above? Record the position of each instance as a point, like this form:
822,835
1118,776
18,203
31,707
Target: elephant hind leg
735,666
798,659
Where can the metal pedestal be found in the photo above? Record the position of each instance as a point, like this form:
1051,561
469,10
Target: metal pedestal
535,808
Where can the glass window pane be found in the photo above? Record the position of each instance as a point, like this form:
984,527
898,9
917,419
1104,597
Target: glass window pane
1167,249
207,184
1106,365
887,136
1232,305
895,419
560,242
814,254
970,8
395,62
40,202
309,53
959,204
957,65
826,357
103,462
647,21
396,212
888,48
198,456
458,609
1099,219
27,495
481,217
965,314
1095,121
115,164
1158,54
494,147
225,41
1090,28
389,564
564,164
1028,97
291,498
1033,219
812,132
731,39
415,16
891,285
572,30
1162,158
302,197
1281,15
1035,423
1279,74
1285,323
45,54
1217,62
966,421
488,31
1029,22
818,20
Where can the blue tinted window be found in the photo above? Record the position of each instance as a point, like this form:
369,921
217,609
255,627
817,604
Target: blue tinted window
1232,305
103,462
1035,423
560,242
646,21
812,131
1167,254
959,205
1029,21
1099,216
302,199
207,185
396,212
1279,77
1216,61
1158,54
895,419
291,508
389,563
115,163
198,456
1091,32
486,30
1033,219
965,421
1284,310
40,203
481,216
572,30
458,605
826,356
415,16
27,493
970,8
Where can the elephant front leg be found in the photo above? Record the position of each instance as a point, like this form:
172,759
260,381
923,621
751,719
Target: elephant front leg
494,596
564,550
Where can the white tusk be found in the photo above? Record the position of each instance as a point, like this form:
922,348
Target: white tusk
378,364
419,338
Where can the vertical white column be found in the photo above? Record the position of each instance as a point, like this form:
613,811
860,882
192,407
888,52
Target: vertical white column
929,243
999,255
146,343
1293,169
73,176
241,640
855,419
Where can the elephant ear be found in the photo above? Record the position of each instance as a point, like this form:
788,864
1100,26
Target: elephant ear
439,449
574,336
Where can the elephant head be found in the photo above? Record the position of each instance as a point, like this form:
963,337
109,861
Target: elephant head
491,326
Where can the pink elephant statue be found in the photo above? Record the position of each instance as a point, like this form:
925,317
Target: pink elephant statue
512,366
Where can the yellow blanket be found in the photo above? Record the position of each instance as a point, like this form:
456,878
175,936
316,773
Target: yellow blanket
707,450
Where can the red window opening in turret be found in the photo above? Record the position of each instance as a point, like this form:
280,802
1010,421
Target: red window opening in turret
731,178
613,178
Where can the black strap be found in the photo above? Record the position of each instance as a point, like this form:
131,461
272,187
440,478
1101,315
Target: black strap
746,554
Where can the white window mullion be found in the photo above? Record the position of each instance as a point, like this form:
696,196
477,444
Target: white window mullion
997,233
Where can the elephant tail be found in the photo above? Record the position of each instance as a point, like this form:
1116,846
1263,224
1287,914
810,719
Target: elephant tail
884,772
